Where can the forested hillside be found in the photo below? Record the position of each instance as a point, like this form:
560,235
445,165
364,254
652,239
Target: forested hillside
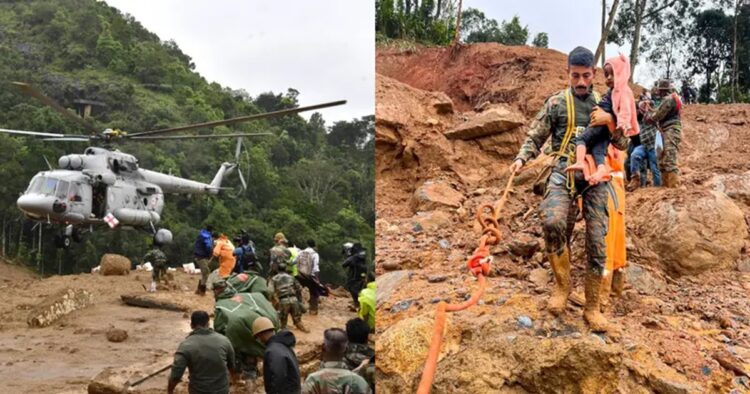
307,180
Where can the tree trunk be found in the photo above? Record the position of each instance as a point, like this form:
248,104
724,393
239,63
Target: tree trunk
604,33
458,24
734,51
640,7
605,30
4,254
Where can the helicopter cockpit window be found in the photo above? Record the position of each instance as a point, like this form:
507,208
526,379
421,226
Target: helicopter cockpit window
62,189
36,185
74,194
48,186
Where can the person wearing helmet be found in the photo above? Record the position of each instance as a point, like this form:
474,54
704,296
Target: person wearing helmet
280,365
356,268
284,289
279,253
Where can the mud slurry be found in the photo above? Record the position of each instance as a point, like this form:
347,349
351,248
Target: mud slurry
675,322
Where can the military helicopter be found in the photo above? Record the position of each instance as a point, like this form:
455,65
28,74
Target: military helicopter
104,186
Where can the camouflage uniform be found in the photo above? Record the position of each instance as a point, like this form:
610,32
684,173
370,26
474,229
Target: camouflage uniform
667,117
284,289
334,378
158,260
356,353
558,210
279,254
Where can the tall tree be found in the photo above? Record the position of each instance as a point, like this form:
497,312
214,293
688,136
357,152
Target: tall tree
541,40
710,46
606,27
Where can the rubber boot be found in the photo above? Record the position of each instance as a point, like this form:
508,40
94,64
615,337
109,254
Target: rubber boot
635,182
198,289
561,268
606,289
202,290
591,312
670,179
618,282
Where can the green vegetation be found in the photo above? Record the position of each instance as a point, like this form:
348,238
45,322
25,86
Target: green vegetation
306,180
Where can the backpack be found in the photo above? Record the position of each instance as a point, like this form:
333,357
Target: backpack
248,255
305,262
201,246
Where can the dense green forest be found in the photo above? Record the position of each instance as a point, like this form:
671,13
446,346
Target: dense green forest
307,180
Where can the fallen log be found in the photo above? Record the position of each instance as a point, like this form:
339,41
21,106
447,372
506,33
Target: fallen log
58,305
148,301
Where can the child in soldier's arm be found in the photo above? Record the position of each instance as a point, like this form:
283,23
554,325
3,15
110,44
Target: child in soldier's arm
619,102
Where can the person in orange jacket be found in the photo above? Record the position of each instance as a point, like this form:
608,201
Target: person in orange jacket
614,276
224,251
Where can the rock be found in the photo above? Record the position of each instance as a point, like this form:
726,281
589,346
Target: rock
442,103
444,244
502,146
725,320
524,245
388,283
114,264
436,278
58,305
433,195
432,221
644,281
524,322
401,306
736,186
659,377
539,277
492,121
390,265
116,334
744,265
731,363
401,349
691,232
114,380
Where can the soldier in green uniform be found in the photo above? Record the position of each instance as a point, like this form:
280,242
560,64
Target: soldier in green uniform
564,114
279,253
667,117
284,288
158,261
358,352
334,376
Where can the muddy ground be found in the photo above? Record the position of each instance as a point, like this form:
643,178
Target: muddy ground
65,356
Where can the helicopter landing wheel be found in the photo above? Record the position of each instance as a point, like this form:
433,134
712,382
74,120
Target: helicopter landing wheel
62,241
77,235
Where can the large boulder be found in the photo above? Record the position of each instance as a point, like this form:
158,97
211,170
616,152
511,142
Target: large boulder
114,264
388,283
689,232
436,194
736,186
492,121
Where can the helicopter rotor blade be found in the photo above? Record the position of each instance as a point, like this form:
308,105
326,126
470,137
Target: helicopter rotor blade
67,139
241,119
28,90
193,137
238,150
32,133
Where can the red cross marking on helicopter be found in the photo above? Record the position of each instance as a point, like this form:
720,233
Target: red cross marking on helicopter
111,220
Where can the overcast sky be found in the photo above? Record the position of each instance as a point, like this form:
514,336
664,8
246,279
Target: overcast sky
325,48
569,23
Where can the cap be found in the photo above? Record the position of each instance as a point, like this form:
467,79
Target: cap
664,84
279,237
262,324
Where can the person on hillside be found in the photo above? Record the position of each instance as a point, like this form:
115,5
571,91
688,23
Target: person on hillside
246,256
158,261
284,289
367,299
308,268
202,251
279,253
280,365
358,352
224,252
619,102
334,376
356,271
644,153
208,356
667,118
558,209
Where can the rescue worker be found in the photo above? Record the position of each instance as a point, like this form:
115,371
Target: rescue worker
247,259
359,352
645,151
356,271
308,268
284,288
667,117
367,299
224,252
158,261
562,114
279,253
208,356
334,376
202,251
280,366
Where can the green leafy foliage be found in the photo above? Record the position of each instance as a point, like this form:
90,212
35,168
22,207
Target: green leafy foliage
306,180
